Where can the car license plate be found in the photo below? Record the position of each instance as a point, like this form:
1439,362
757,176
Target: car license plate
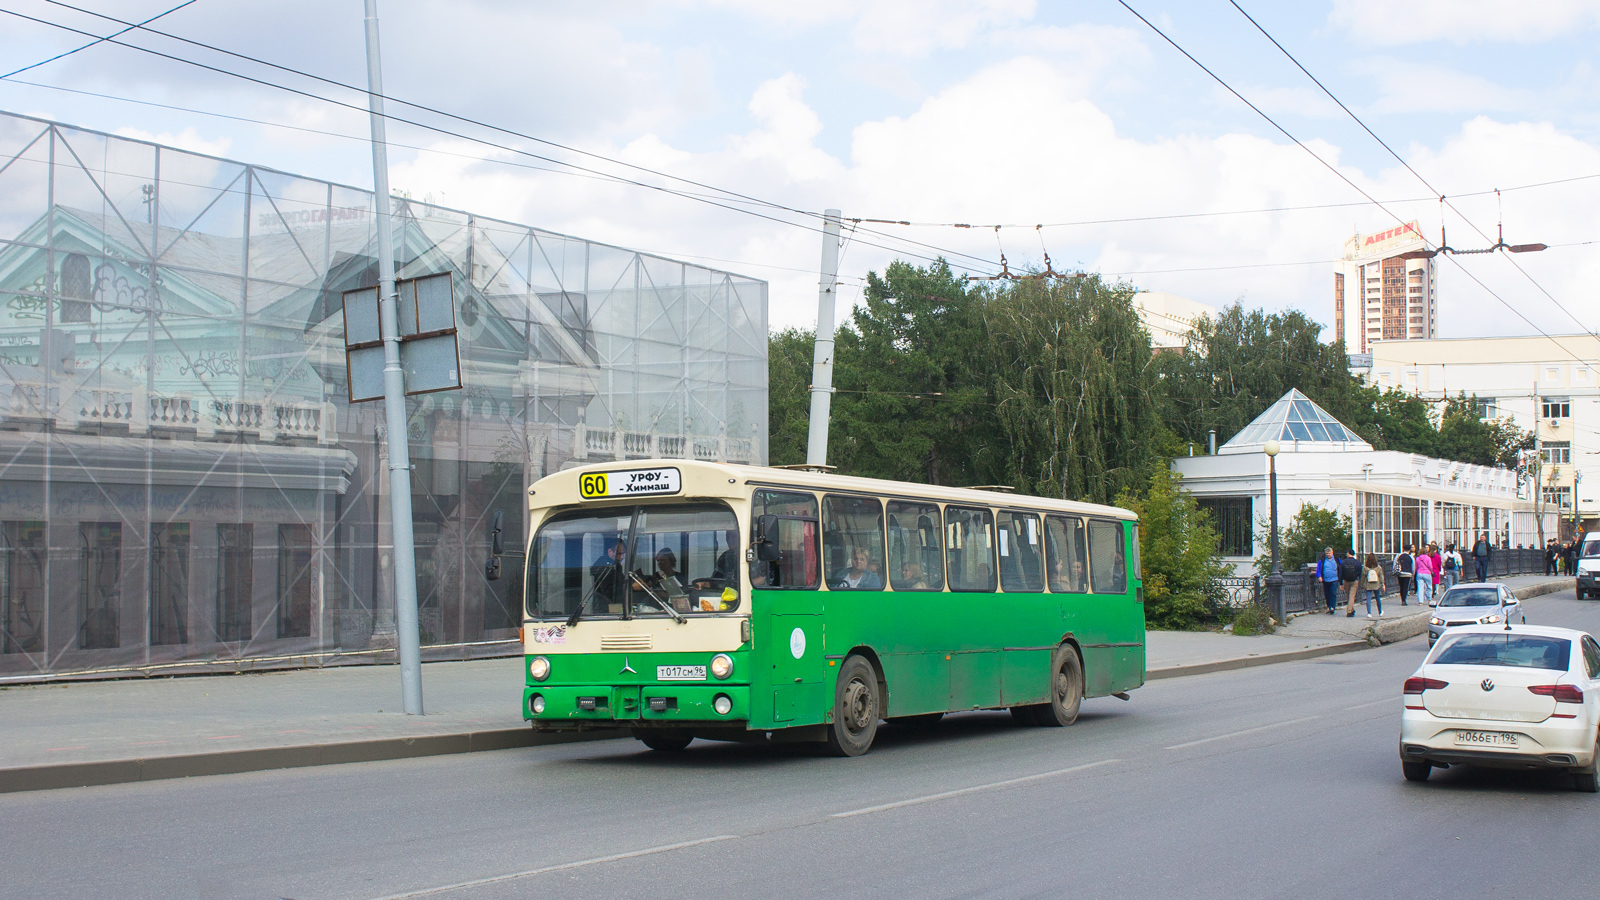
680,673
1486,738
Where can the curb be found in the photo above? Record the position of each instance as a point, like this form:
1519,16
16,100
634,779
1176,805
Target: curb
1246,662
232,762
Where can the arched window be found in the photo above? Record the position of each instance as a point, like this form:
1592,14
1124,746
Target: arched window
77,286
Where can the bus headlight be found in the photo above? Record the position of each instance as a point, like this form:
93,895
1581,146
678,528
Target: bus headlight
536,703
539,668
722,704
721,666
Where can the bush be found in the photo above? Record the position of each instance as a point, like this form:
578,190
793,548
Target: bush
1312,529
1252,620
1178,553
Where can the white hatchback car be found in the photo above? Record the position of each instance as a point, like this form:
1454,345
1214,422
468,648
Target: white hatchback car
1512,696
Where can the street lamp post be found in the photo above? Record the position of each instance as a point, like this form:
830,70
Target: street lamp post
1275,578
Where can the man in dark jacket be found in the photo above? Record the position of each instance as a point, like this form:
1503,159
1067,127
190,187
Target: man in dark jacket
1403,570
1350,580
1481,553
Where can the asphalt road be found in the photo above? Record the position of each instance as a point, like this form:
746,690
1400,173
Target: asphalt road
1279,781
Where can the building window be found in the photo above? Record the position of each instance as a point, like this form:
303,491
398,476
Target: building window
1559,497
1488,408
77,287
100,564
1232,520
1558,453
235,580
294,581
169,583
22,593
1552,408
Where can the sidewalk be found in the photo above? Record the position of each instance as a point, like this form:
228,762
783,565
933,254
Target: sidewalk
1170,654
105,732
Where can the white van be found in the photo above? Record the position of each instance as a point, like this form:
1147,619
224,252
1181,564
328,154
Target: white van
1589,566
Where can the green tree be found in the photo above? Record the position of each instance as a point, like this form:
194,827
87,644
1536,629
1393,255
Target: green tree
1468,437
912,370
1079,407
1310,531
789,354
1177,550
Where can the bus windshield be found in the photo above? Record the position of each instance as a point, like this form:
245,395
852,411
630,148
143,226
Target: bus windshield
627,561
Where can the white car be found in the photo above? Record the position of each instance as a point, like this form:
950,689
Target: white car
1507,696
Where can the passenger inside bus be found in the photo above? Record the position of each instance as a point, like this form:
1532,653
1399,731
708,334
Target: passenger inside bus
911,578
859,575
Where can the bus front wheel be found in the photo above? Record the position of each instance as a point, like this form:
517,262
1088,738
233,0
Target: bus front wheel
855,709
1066,689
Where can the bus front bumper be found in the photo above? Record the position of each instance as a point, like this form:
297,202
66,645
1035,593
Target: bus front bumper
567,707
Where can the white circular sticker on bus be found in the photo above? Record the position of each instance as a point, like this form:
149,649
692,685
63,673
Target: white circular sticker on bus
797,643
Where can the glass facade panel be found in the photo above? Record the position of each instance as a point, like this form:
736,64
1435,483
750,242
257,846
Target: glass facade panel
171,331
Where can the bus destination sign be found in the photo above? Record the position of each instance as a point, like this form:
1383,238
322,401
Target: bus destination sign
631,483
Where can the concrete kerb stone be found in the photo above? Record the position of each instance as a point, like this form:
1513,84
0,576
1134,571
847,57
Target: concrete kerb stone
233,762
1245,662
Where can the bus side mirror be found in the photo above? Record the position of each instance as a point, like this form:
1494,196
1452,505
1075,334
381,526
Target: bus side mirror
766,538
491,569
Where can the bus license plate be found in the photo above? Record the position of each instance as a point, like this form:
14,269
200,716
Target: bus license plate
1486,738
680,673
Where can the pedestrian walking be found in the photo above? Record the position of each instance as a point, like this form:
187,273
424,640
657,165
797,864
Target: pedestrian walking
1403,572
1373,582
1350,581
1572,557
1438,570
1328,575
1550,557
1481,552
1424,570
1452,566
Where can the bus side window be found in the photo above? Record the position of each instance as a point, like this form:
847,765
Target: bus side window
969,552
852,538
916,557
798,563
1108,567
1064,540
1021,553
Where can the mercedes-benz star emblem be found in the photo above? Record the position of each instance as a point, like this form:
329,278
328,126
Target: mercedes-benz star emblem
628,668
1487,684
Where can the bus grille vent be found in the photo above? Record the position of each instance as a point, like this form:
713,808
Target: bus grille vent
625,642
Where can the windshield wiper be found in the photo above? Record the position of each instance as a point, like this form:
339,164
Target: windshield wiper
665,606
578,613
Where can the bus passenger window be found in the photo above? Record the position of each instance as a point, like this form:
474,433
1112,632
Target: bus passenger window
1021,552
969,551
852,542
1064,541
916,554
1108,566
797,562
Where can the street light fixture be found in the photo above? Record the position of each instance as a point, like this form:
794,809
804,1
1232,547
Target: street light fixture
1275,577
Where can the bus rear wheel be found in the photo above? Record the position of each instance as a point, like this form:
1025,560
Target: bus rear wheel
855,709
664,741
1066,689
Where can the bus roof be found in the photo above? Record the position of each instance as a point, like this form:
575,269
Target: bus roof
565,483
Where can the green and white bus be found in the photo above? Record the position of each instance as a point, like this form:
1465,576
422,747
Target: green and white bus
684,599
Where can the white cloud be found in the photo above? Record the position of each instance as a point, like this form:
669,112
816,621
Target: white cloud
1411,87
1387,22
187,139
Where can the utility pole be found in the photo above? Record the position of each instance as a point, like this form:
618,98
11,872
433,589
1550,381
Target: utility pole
407,640
822,359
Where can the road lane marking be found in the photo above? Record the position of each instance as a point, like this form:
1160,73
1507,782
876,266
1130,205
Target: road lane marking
1232,734
615,857
968,790
1365,705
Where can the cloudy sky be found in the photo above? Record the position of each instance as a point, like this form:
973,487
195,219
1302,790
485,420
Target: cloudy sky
1010,112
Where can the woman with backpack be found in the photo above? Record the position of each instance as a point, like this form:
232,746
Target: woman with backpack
1372,580
1452,566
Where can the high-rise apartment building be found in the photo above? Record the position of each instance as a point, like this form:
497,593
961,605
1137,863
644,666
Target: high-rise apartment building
1377,295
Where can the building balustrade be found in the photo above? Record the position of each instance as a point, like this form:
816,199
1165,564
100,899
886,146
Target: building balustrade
596,444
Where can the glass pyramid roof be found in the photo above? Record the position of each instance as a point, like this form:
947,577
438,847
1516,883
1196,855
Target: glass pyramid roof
1294,420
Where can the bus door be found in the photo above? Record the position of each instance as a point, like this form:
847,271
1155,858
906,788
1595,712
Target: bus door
1029,623
974,641
785,577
